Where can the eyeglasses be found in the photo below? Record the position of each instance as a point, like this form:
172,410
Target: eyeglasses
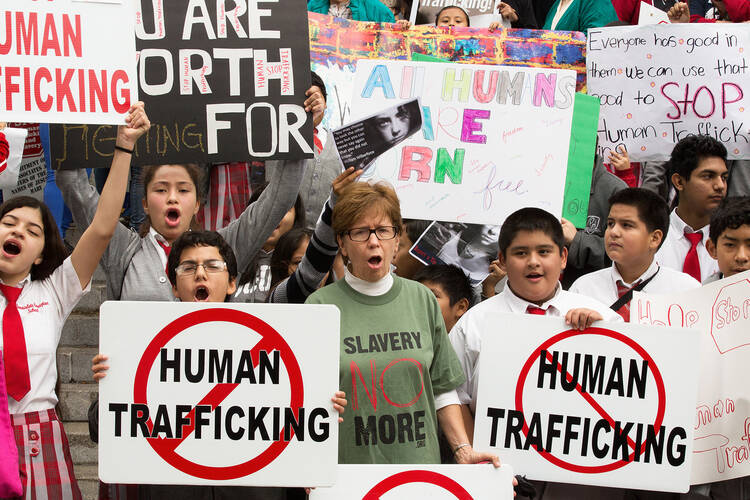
363,233
189,268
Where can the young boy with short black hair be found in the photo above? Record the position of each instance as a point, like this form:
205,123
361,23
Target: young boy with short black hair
729,237
637,224
532,252
452,289
698,171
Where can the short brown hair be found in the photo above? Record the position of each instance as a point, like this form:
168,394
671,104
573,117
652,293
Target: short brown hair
362,197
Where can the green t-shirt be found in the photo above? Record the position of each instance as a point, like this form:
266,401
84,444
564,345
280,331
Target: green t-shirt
395,357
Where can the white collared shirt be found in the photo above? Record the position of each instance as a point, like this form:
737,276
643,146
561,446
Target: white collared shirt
602,284
44,305
466,335
155,238
675,247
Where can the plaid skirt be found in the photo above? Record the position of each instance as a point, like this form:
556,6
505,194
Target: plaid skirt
44,457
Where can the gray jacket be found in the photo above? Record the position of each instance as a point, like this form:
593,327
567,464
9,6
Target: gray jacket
133,265
316,181
586,253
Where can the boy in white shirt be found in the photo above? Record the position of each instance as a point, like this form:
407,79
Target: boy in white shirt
637,224
533,254
698,171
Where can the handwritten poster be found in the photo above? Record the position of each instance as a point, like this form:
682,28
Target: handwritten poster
720,311
658,84
476,158
67,61
220,85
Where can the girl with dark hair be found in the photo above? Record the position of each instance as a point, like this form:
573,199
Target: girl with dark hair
288,254
39,287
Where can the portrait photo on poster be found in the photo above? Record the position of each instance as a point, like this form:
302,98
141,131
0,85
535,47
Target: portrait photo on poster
361,142
472,247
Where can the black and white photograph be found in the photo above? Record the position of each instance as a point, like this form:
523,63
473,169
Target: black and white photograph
361,142
472,247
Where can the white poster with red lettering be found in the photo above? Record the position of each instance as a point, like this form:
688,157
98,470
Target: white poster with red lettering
611,405
10,161
219,394
29,176
67,61
720,311
407,482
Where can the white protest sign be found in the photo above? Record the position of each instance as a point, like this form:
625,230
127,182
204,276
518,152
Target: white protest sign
611,405
648,14
406,482
9,166
68,61
230,394
658,84
476,158
720,311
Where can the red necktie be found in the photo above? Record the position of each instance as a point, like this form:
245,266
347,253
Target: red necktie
166,249
316,140
624,311
536,310
14,346
692,265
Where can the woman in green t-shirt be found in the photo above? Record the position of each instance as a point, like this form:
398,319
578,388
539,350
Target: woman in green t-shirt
396,361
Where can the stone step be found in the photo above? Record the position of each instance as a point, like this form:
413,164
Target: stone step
88,480
81,330
74,364
75,400
92,300
83,450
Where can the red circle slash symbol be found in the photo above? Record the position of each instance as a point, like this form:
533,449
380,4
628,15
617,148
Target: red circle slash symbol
592,469
271,339
417,476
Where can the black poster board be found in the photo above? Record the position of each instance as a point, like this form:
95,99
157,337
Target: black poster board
217,88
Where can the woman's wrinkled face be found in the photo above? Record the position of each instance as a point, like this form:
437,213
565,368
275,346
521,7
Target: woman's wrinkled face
371,259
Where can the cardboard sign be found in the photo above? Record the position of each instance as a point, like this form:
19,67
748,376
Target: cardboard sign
337,44
406,482
659,84
67,62
222,394
611,405
475,158
720,311
219,86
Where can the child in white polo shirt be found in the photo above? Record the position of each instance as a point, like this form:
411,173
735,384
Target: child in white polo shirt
533,254
637,224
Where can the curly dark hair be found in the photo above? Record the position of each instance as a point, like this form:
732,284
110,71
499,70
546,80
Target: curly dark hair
731,214
689,152
191,239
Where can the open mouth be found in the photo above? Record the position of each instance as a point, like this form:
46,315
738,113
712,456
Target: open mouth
11,248
173,217
375,261
534,276
201,294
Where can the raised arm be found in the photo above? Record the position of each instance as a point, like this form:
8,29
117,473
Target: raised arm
320,253
248,233
94,241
